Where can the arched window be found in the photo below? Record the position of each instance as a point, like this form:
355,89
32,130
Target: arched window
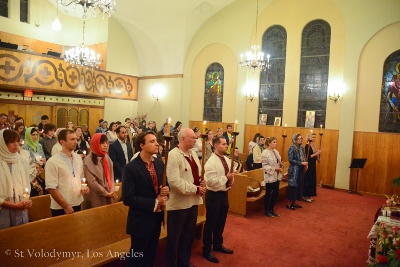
272,80
389,119
314,71
213,93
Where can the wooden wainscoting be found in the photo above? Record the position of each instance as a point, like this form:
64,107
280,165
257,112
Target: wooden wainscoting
32,111
383,160
326,169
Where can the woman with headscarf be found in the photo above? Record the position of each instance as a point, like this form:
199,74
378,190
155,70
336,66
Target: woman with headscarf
14,181
99,174
32,150
298,164
310,176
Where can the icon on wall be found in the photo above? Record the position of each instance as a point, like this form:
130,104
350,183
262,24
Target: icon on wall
310,119
277,121
262,119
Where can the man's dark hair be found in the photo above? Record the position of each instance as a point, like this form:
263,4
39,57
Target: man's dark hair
63,134
48,127
100,121
227,126
217,140
141,139
3,114
119,129
44,117
127,119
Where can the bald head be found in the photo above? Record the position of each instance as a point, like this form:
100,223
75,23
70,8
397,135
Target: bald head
187,139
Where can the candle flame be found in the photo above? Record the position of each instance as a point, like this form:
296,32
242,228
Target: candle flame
117,181
169,120
84,180
285,124
26,190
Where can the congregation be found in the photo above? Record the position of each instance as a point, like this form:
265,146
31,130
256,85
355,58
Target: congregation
81,172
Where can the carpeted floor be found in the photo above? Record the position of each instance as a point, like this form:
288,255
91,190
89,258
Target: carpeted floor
331,231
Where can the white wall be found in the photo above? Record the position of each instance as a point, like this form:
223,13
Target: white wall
119,110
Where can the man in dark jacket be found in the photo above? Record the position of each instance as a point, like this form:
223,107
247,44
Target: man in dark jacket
120,152
141,191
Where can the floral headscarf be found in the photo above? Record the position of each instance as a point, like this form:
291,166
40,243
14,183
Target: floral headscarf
298,147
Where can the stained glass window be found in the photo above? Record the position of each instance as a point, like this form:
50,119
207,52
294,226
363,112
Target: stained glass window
4,8
389,119
272,80
314,70
24,10
214,91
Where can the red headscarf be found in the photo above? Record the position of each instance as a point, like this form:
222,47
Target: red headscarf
96,149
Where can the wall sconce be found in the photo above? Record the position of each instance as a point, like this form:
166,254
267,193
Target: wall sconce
250,96
335,97
155,96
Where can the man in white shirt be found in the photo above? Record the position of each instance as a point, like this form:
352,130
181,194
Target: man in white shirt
64,173
218,180
186,189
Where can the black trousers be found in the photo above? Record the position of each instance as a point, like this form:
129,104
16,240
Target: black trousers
271,195
144,249
181,227
56,213
217,206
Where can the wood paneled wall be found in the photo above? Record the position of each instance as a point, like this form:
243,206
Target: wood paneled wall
326,169
383,161
32,112
210,125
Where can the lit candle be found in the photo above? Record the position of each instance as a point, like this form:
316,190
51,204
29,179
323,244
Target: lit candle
236,126
84,152
284,130
203,129
84,185
169,127
320,130
117,186
26,195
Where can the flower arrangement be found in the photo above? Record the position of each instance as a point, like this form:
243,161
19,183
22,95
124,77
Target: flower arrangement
389,241
392,200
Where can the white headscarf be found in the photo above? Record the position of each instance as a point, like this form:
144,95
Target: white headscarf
17,179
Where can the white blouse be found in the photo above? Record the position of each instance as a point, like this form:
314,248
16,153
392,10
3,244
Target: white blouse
271,160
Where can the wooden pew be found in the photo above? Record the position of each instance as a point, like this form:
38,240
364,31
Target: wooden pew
91,237
237,196
40,208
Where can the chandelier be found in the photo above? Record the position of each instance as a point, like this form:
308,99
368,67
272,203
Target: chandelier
255,58
81,55
105,6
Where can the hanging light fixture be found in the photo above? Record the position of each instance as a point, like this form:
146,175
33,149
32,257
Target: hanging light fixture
81,55
56,25
105,6
254,59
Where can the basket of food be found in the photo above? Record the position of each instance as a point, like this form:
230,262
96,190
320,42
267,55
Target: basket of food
253,188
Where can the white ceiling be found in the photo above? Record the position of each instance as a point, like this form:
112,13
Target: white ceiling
162,29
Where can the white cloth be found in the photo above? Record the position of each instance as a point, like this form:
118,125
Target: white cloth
269,164
56,148
257,154
112,137
13,180
215,177
198,146
182,194
251,146
59,176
